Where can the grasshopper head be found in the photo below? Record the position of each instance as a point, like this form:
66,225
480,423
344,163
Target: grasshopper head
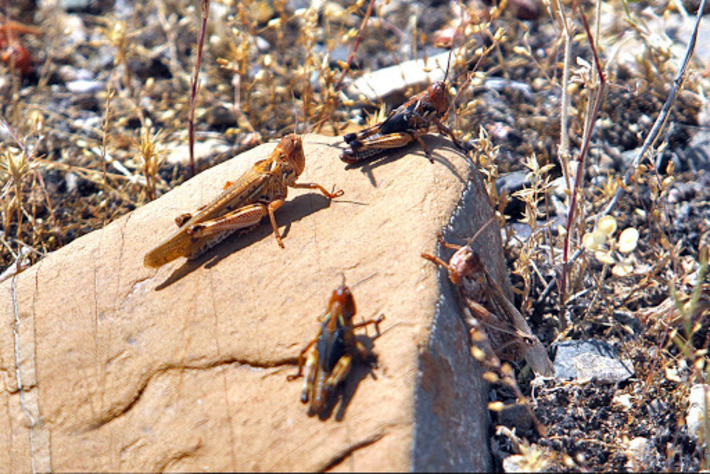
342,303
292,148
465,262
439,96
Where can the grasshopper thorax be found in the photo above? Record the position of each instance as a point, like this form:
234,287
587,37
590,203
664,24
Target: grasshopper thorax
292,148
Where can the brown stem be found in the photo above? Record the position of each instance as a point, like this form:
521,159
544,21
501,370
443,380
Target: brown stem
193,90
579,175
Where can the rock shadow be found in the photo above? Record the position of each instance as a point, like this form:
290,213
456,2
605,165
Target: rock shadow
292,211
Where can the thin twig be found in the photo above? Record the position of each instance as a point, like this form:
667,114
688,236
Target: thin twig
565,105
358,40
592,113
193,90
347,69
110,92
653,134
662,116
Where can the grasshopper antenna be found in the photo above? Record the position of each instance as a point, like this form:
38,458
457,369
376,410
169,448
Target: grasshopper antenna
361,281
448,64
480,231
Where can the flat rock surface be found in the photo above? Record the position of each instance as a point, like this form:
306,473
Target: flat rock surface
108,365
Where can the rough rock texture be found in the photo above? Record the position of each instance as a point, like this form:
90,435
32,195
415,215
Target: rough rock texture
107,365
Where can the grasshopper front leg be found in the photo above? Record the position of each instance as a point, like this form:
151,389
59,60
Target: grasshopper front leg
437,261
375,321
444,130
319,188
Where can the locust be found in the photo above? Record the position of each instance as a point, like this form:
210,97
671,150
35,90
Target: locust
408,122
330,355
405,124
241,205
11,48
484,304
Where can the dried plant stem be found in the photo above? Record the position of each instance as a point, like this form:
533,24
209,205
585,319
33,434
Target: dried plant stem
194,85
593,107
662,116
241,116
43,187
351,58
107,120
358,40
565,105
17,173
169,27
650,139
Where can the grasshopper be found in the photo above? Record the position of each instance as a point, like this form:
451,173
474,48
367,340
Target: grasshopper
484,304
11,48
257,193
407,123
333,349
403,125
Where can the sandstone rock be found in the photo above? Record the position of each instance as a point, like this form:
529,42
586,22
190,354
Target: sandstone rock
108,365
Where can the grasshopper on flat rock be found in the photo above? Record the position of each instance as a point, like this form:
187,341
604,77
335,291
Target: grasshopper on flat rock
257,193
483,300
332,351
403,125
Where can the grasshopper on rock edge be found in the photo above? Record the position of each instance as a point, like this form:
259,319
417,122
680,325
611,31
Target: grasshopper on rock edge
403,125
483,300
257,193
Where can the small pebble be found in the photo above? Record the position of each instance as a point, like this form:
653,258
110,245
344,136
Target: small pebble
699,403
590,360
639,452
82,86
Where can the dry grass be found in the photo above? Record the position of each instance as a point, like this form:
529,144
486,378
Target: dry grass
72,160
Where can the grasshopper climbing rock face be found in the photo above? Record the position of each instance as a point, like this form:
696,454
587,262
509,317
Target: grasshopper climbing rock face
332,351
482,299
257,193
403,125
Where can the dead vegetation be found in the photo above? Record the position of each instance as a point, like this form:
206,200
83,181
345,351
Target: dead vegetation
607,226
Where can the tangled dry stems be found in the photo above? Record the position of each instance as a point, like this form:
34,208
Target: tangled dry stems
270,67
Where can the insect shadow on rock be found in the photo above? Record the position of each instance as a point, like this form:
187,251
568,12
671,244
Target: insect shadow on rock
292,211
